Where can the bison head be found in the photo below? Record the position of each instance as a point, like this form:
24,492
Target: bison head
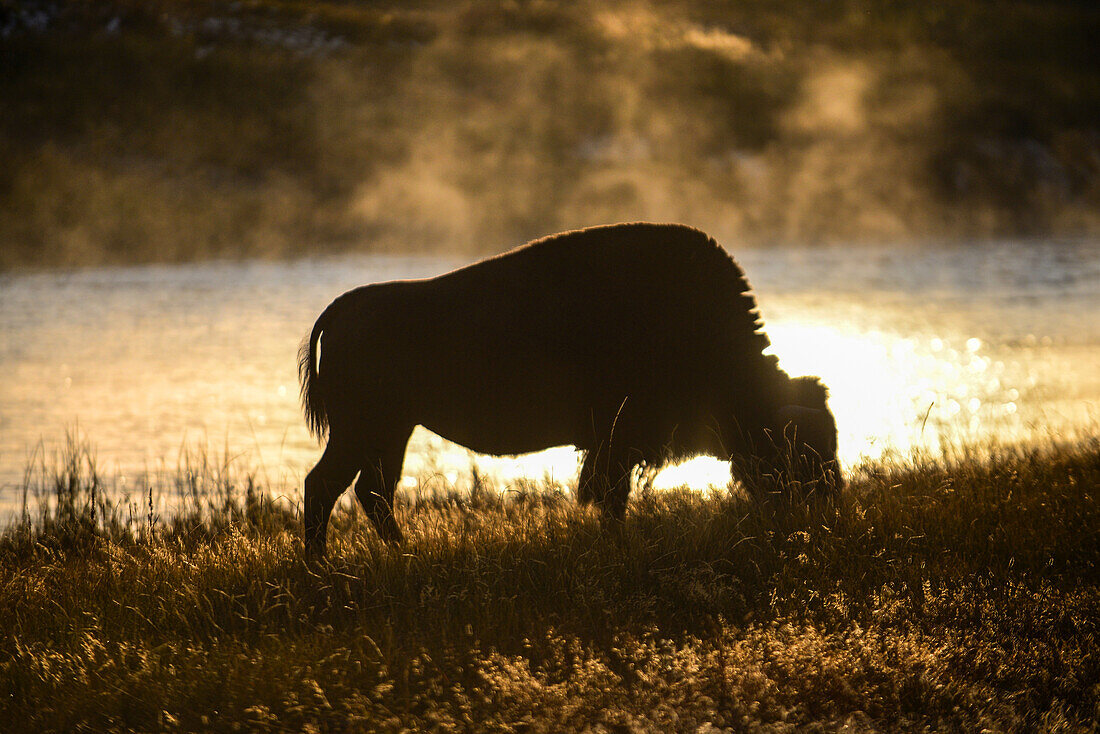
801,440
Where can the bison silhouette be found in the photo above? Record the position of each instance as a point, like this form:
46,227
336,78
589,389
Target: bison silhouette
636,343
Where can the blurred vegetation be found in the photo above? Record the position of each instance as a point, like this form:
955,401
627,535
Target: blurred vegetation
959,594
136,130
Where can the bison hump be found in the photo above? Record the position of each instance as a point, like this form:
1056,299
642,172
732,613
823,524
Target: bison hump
667,279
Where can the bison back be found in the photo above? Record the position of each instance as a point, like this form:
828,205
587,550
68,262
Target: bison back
648,305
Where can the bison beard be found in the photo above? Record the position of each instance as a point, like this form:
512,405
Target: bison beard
636,343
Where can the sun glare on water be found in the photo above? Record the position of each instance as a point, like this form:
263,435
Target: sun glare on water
876,382
873,378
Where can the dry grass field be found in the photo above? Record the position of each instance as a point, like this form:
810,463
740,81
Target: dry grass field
960,593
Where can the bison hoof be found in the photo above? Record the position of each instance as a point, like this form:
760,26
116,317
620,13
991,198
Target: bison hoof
314,551
612,518
392,536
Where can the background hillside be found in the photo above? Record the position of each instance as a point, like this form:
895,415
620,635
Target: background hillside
135,130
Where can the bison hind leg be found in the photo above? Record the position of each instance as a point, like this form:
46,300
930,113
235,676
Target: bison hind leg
379,472
323,486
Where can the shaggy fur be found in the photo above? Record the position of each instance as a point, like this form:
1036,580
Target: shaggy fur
638,343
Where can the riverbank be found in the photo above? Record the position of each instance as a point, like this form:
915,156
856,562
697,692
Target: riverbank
958,593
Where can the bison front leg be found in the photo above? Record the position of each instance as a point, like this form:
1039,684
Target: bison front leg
622,469
323,486
605,480
587,491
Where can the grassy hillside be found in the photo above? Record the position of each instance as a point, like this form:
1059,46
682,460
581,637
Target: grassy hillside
177,129
959,594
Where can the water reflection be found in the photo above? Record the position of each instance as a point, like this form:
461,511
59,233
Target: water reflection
920,348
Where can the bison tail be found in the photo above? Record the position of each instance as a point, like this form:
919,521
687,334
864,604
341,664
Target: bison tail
313,402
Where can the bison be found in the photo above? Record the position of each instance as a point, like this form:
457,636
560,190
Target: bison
636,343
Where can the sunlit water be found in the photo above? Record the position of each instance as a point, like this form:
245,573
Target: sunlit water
920,346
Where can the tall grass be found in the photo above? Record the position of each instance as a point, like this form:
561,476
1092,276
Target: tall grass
947,594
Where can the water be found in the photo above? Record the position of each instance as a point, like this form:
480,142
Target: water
921,346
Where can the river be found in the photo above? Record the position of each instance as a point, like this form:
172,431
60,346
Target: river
923,347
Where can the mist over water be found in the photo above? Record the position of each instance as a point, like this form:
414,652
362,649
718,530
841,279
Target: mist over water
268,129
921,348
